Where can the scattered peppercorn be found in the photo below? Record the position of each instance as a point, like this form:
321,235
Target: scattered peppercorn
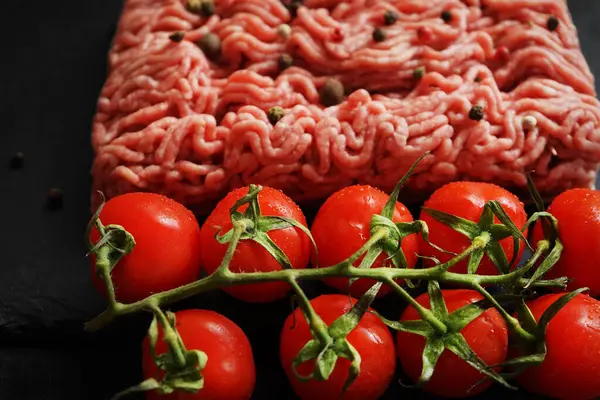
293,7
332,93
177,37
54,199
378,35
476,113
207,8
17,160
552,23
211,46
529,122
477,79
418,73
275,114
194,6
284,61
390,17
284,31
446,16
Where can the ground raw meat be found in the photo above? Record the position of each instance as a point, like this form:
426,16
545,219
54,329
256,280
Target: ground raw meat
172,121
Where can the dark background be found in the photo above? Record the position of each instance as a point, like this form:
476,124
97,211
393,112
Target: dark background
52,67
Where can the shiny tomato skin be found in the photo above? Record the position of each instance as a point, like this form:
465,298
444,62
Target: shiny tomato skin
467,200
167,250
571,369
487,336
578,215
342,226
229,373
371,338
251,256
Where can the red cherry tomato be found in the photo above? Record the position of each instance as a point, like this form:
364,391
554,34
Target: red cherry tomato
578,215
371,338
467,200
251,256
486,335
342,226
229,373
571,369
167,251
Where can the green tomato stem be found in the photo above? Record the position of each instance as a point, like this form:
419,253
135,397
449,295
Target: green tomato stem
510,320
103,270
315,322
170,336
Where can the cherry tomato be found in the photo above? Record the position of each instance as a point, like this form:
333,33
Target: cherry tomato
167,251
467,200
486,335
251,256
342,226
571,369
371,338
229,373
578,215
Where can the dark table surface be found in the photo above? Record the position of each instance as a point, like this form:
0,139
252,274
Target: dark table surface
51,71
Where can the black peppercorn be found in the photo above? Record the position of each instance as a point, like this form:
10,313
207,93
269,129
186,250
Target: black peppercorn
477,79
177,37
379,35
332,93
207,8
293,7
552,23
446,16
211,46
54,199
390,17
476,113
17,160
418,73
284,61
275,114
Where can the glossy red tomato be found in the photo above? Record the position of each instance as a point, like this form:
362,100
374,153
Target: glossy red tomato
371,338
167,251
229,373
251,256
578,215
342,226
467,200
571,369
486,335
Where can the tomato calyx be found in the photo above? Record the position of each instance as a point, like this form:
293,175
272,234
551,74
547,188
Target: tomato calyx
485,229
534,352
438,340
114,244
252,225
182,368
330,342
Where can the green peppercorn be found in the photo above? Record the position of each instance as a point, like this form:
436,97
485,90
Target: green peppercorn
284,61
418,73
194,6
446,16
552,23
390,17
476,113
211,46
275,114
378,35
177,37
332,93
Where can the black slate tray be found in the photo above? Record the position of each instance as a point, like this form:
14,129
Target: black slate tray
51,71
